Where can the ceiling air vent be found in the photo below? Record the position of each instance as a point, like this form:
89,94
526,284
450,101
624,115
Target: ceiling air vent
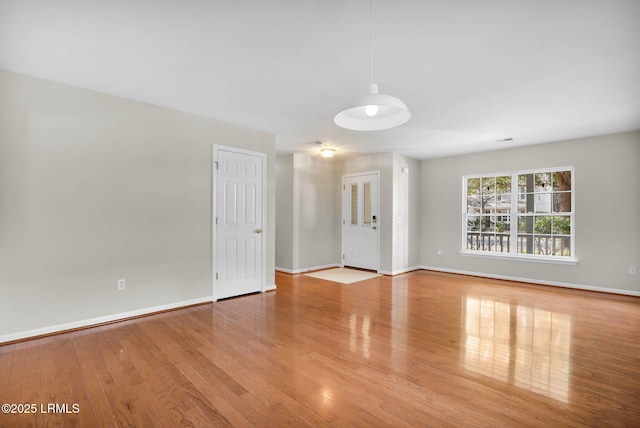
315,143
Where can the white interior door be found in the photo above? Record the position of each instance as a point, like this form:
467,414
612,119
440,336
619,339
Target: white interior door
360,221
238,223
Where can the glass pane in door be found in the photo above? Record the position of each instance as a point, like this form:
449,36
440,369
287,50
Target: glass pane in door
354,204
367,204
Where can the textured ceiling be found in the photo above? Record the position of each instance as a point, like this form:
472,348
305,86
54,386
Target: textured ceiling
472,72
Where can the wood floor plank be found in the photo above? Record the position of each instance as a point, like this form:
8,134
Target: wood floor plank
151,362
420,349
98,404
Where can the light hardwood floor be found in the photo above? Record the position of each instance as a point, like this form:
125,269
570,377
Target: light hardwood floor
420,349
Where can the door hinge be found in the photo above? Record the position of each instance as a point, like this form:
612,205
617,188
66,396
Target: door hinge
344,221
216,275
344,187
216,220
343,257
216,163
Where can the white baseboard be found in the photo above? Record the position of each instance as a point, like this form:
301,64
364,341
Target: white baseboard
336,265
270,288
536,281
99,320
400,271
295,271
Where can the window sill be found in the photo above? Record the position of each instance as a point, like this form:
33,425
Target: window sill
522,257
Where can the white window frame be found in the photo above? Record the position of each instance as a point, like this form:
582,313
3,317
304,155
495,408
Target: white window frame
513,250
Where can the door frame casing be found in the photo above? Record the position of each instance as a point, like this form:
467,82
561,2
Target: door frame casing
343,217
214,156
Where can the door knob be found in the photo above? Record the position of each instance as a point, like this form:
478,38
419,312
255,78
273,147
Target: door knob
258,230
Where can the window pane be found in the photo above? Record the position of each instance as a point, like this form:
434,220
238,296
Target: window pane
488,204
473,206
542,225
490,242
502,242
470,241
473,241
488,185
503,203
562,180
543,182
486,224
525,183
542,202
503,224
525,201
562,202
561,225
367,203
525,244
354,204
473,224
543,245
503,184
525,224
562,246
473,186
486,240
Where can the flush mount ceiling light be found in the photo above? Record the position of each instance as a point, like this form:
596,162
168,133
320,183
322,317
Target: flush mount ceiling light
327,153
373,111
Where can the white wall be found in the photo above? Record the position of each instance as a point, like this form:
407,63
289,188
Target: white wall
94,188
315,184
306,200
607,225
284,212
406,214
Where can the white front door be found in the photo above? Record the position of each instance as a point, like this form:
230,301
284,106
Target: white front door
238,222
360,221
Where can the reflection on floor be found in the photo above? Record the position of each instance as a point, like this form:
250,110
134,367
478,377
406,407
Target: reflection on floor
359,339
521,345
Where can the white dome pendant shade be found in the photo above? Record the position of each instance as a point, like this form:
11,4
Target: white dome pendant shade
373,112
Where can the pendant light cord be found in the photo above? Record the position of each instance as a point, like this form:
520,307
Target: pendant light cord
371,38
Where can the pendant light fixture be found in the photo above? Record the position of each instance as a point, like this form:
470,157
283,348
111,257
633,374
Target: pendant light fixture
372,111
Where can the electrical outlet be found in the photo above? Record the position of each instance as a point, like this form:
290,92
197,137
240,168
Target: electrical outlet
439,252
121,284
632,270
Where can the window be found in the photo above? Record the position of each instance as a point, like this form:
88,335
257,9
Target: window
525,214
